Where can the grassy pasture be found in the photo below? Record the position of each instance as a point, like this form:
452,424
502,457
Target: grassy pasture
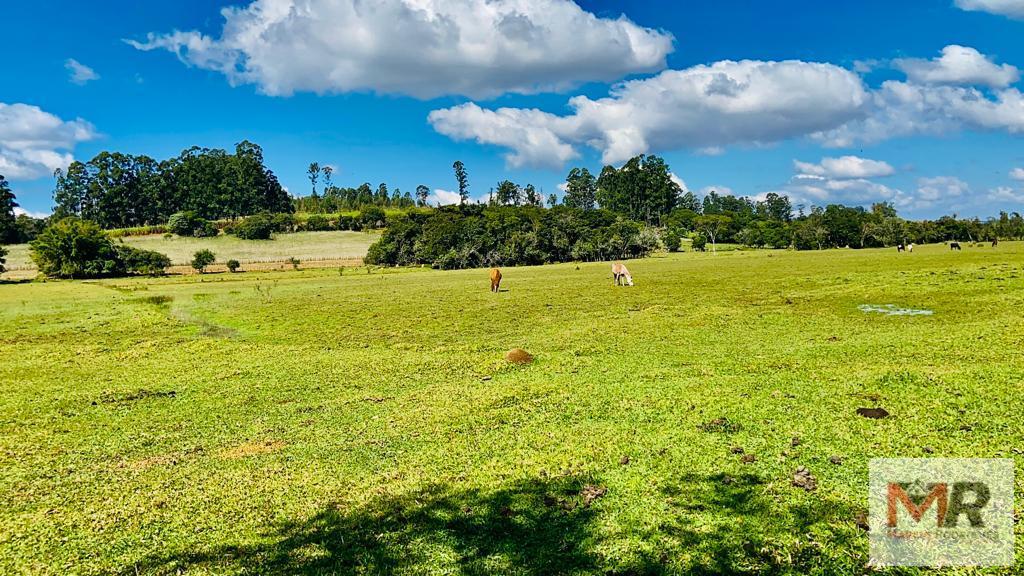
311,423
306,246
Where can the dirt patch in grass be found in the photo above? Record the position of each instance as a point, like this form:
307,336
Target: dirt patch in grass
252,449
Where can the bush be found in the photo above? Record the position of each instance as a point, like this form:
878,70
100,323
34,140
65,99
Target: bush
202,259
232,265
3,259
282,222
373,217
255,227
699,242
74,248
672,241
294,262
346,222
317,223
188,223
138,261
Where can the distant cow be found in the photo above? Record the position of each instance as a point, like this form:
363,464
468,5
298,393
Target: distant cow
954,245
621,274
995,242
495,279
899,248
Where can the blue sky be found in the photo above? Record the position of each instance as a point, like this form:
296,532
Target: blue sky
917,103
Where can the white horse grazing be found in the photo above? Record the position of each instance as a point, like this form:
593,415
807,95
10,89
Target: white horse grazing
621,274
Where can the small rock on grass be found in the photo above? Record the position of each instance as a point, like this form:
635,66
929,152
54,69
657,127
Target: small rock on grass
748,459
737,449
624,460
837,460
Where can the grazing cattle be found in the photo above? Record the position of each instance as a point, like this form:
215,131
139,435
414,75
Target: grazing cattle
495,279
995,242
910,247
621,274
954,245
899,247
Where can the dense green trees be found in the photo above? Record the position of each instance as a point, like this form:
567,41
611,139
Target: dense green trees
335,199
475,235
641,189
8,223
74,248
118,190
580,189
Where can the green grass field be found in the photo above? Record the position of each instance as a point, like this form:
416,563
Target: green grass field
315,423
306,246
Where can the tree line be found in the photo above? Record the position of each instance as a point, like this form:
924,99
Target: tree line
474,235
118,190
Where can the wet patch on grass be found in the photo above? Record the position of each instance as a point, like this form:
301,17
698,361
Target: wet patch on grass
892,310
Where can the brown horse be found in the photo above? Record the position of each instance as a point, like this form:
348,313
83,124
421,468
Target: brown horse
495,279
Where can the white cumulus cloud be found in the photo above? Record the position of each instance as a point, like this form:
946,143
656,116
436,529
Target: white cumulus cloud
79,73
1009,8
703,107
845,167
940,188
1017,174
532,135
1006,194
422,48
34,143
720,190
900,109
958,65
443,197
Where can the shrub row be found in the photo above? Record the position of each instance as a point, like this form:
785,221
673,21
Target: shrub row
73,248
474,235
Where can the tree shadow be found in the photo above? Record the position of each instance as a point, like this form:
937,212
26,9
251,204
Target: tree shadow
528,527
740,525
714,524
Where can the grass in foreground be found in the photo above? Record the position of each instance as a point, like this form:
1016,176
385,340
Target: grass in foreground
303,422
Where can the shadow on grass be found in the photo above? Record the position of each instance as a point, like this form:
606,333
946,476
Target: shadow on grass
714,525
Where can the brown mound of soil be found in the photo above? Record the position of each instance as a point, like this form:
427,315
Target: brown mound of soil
518,356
